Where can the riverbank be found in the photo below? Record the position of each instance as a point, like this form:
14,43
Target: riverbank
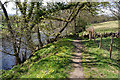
53,61
56,60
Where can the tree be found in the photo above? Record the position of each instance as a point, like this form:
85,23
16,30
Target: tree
115,9
31,18
12,35
21,33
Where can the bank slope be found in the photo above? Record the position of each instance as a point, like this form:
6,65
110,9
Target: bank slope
53,61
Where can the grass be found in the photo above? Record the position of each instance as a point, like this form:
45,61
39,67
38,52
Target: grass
110,26
53,61
96,62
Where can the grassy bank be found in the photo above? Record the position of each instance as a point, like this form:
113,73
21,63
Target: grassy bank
96,62
53,61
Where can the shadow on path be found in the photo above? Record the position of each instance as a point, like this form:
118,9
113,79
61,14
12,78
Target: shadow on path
77,61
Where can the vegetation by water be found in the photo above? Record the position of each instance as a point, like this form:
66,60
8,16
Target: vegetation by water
59,20
53,61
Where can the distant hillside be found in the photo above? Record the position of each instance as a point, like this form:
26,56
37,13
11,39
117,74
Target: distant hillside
109,26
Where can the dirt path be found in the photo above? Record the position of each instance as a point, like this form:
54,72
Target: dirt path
77,59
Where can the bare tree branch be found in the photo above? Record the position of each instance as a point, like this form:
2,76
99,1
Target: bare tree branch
80,7
55,18
8,53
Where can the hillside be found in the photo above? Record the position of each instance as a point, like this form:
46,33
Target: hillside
109,26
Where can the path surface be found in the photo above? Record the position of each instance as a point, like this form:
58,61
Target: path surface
77,59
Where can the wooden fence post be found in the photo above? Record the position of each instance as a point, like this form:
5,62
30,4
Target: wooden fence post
100,44
90,35
111,46
94,35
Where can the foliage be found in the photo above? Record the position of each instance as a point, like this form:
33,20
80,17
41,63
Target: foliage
21,27
81,24
114,7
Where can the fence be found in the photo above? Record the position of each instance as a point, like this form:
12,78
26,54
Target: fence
101,35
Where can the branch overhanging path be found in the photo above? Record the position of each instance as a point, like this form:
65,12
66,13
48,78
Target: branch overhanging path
71,19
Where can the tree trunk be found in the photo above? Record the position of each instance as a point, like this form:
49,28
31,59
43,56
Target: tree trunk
12,34
29,40
71,19
17,58
39,37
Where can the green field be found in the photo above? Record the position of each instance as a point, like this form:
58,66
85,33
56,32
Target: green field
96,62
110,26
105,27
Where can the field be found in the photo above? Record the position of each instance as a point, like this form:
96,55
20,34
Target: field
96,62
110,26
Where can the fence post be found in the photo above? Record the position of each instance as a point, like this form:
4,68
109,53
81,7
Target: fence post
90,35
111,46
100,44
94,35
